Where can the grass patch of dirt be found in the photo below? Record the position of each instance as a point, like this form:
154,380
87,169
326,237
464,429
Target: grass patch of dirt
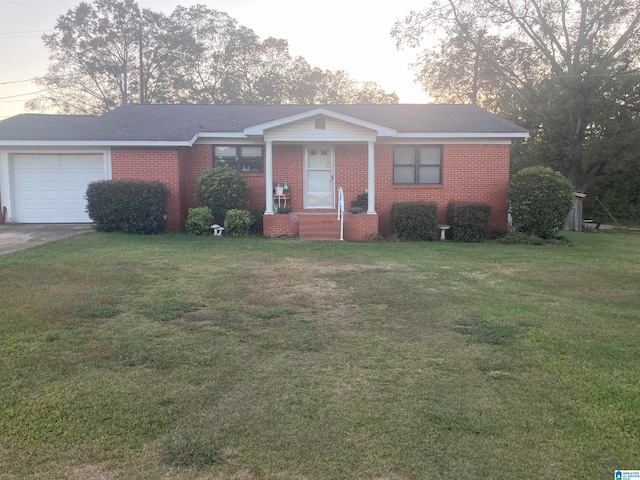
485,331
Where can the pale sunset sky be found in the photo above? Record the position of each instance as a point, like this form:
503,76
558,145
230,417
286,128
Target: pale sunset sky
350,35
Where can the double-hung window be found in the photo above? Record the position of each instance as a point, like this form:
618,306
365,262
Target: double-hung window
417,164
244,158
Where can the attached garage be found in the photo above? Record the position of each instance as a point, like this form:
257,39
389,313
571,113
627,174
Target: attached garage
50,187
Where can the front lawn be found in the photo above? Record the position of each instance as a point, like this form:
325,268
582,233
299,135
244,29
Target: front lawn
183,357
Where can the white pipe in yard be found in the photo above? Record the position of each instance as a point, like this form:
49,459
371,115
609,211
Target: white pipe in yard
341,211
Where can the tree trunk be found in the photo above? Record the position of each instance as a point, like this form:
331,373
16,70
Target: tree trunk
576,172
476,70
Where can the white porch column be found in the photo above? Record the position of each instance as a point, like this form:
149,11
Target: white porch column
371,179
268,178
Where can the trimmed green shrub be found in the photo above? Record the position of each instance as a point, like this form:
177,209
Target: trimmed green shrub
415,221
199,220
237,222
222,189
257,218
126,206
539,201
469,221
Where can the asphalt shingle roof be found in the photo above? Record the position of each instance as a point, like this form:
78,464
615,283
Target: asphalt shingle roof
183,122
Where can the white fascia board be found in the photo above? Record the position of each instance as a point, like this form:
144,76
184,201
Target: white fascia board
359,139
93,143
120,143
463,135
379,129
217,135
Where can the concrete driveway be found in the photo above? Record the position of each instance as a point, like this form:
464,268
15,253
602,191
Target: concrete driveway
19,236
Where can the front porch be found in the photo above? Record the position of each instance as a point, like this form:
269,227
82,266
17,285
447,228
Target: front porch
301,191
321,226
308,158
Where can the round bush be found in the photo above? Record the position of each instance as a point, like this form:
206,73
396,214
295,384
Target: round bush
199,220
237,222
539,201
222,189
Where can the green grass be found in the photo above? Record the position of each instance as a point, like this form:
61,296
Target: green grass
197,357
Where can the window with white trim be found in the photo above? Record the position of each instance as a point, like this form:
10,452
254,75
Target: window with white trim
417,164
244,158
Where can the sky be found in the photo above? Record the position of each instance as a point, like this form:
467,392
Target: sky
350,35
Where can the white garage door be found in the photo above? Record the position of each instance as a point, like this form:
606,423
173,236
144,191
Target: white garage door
50,188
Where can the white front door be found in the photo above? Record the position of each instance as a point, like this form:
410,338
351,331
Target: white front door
319,190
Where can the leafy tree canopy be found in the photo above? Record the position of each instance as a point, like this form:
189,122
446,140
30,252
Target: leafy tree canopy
566,69
111,52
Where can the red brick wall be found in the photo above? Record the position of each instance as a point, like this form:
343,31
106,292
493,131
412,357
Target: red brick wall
470,173
200,158
280,225
165,165
362,226
184,200
321,226
288,166
179,169
351,171
256,190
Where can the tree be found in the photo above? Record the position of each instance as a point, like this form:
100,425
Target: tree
549,64
228,63
95,58
111,52
218,49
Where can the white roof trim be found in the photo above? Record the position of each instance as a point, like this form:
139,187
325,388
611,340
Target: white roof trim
215,135
379,129
93,143
463,135
220,135
121,143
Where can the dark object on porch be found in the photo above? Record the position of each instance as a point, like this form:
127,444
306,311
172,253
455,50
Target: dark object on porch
355,210
362,202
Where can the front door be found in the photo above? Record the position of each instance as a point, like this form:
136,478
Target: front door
319,190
